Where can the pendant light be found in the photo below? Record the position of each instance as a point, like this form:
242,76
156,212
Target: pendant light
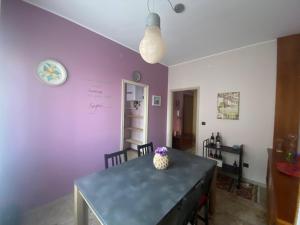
152,47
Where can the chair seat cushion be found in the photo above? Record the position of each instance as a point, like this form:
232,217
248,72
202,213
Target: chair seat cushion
202,201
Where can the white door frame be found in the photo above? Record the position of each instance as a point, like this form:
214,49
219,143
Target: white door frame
146,106
170,115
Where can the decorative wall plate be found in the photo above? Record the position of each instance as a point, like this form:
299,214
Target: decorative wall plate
52,72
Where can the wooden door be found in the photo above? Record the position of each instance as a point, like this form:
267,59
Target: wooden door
287,108
188,111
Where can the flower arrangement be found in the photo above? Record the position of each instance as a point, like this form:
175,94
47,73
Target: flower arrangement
163,151
161,159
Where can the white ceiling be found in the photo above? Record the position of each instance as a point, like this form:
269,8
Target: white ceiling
205,28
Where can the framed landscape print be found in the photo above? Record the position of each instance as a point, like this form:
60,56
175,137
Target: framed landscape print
156,100
228,105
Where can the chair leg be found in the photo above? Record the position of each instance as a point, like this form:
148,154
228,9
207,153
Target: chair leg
206,208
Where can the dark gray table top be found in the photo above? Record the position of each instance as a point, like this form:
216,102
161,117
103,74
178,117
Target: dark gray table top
136,193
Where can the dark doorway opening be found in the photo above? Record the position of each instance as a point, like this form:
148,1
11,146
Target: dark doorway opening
184,120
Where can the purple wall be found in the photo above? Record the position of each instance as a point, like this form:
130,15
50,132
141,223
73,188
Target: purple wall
48,135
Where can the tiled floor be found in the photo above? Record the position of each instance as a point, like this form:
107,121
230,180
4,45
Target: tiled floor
231,210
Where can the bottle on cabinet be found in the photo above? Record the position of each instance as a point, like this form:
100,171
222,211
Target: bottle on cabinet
216,154
220,155
218,140
212,139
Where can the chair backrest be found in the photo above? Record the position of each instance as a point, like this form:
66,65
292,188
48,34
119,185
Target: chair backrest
208,180
116,158
145,149
189,205
186,210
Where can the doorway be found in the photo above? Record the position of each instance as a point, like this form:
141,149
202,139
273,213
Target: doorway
184,122
134,115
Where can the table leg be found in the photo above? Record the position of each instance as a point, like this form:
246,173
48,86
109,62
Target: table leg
81,208
212,197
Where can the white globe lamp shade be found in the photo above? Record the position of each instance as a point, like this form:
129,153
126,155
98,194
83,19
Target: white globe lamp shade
152,46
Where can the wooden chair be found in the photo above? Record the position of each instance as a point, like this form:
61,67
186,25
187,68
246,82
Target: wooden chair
116,158
185,212
145,149
189,208
204,198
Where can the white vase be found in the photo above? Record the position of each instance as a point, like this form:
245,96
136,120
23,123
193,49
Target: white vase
160,162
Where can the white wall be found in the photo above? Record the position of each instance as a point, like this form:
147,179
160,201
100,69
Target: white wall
251,71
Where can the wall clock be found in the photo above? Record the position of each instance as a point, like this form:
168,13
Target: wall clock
52,72
136,76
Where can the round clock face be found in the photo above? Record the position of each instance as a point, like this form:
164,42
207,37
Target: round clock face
52,72
136,76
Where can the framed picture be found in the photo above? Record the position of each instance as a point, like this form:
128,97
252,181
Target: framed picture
156,100
228,105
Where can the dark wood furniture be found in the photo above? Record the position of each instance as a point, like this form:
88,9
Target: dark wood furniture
230,170
287,109
115,158
183,142
205,198
283,193
145,149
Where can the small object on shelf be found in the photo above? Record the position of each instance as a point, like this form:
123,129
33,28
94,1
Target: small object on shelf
134,128
291,169
218,140
161,159
236,146
216,155
219,162
292,148
212,139
235,164
135,116
220,155
133,141
279,145
211,154
134,93
136,104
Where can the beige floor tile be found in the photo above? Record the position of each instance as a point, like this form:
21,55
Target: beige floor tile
230,210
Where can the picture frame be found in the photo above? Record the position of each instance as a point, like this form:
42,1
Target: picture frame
156,100
228,106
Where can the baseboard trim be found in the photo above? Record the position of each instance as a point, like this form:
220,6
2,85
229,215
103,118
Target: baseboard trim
254,182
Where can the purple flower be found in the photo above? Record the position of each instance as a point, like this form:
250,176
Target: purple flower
163,151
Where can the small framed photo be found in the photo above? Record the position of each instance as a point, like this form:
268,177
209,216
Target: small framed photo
156,100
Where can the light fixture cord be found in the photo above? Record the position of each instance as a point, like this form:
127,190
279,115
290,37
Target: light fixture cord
149,10
148,6
171,4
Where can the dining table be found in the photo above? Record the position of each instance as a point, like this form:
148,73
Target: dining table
136,193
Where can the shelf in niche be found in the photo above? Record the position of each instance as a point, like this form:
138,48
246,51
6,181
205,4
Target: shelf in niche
133,141
135,116
135,128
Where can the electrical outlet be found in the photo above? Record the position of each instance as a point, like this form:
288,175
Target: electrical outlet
246,165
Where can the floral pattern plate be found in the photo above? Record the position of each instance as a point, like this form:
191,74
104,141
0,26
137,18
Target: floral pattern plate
52,72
